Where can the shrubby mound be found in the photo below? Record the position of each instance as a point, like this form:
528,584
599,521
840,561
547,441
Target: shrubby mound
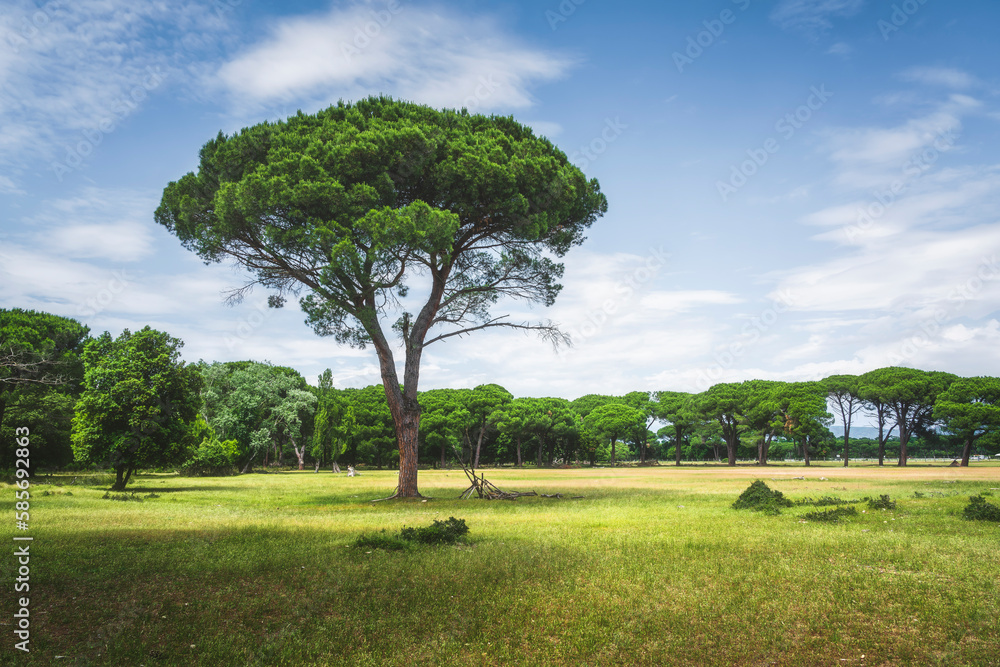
449,531
759,497
881,503
979,509
833,515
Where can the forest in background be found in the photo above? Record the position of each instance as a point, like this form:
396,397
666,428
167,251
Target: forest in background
131,403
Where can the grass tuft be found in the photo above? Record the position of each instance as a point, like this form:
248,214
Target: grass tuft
833,515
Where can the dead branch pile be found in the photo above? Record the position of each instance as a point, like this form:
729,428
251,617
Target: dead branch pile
484,488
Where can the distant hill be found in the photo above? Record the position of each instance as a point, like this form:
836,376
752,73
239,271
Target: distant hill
858,431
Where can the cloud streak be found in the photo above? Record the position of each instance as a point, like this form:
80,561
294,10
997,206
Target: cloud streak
427,56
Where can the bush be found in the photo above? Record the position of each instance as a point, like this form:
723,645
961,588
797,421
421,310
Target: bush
881,503
439,532
826,501
980,510
759,497
213,458
830,515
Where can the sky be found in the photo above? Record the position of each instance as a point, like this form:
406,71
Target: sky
796,188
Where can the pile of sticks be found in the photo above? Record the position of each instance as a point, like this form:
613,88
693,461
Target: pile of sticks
486,489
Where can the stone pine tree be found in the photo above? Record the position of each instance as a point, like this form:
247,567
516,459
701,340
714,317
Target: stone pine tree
844,392
910,394
344,207
970,409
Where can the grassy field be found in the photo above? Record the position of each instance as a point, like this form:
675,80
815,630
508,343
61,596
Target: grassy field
652,567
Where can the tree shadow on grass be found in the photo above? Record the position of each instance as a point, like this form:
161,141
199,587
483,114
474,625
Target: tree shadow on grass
176,489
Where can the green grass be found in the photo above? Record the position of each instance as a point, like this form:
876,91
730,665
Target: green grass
652,567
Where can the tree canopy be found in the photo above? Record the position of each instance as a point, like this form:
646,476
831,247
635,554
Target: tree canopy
970,408
41,373
138,404
343,207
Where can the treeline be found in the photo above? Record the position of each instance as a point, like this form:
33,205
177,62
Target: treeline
130,402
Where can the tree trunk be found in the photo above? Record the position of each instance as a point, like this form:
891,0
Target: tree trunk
335,467
847,442
966,451
881,444
122,474
408,442
904,438
677,446
763,449
119,484
805,450
614,441
479,443
300,454
519,462
731,450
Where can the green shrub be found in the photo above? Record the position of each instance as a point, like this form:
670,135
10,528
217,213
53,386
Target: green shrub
881,503
212,458
980,510
439,532
826,501
830,515
759,497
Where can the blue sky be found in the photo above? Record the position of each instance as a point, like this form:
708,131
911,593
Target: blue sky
796,188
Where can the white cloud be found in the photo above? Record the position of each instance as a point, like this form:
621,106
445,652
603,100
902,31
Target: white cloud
84,67
871,156
7,186
97,223
842,49
426,56
813,15
899,275
939,76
